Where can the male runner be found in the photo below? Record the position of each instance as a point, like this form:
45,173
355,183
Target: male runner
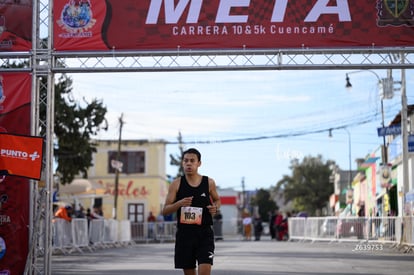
195,200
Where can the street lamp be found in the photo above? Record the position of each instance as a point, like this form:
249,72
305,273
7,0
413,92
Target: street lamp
387,89
385,85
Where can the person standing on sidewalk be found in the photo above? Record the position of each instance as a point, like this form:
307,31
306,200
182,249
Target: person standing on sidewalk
278,228
195,200
258,227
247,225
151,226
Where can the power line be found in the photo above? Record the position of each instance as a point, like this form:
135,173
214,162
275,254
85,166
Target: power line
294,134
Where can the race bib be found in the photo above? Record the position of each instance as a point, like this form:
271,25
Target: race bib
191,215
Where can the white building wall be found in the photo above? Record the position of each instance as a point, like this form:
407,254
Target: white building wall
230,212
230,217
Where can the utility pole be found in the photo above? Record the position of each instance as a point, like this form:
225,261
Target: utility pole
117,169
244,194
404,134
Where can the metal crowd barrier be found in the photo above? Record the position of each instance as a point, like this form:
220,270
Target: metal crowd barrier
393,230
124,232
79,234
153,231
407,242
61,235
97,233
80,239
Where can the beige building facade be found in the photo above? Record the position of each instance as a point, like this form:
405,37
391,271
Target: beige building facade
142,184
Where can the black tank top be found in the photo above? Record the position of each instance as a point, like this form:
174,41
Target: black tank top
201,198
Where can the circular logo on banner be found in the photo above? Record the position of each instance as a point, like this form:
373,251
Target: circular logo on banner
77,16
2,247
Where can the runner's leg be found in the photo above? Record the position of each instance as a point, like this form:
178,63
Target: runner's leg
204,269
189,271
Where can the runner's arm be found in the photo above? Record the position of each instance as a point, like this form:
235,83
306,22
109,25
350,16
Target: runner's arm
214,197
171,205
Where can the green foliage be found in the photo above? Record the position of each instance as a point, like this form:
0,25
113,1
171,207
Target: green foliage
308,187
175,160
265,203
74,126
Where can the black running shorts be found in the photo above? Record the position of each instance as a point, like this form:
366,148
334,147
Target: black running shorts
193,244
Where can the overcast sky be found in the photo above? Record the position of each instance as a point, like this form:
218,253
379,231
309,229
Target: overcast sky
274,116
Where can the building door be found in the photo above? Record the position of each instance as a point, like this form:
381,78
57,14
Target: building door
136,212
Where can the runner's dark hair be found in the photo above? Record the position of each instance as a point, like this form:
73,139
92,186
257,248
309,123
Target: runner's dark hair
192,151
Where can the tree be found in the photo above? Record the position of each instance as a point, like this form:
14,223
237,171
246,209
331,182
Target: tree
264,202
74,125
176,160
308,187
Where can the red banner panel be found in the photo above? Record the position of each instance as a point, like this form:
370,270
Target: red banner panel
15,90
231,24
16,25
228,200
21,155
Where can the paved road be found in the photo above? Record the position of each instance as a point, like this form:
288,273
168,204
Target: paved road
243,258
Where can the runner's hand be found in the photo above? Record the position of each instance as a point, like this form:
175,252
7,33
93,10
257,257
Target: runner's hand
212,209
186,201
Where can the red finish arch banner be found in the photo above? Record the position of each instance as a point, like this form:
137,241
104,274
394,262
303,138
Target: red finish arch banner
15,90
82,25
16,25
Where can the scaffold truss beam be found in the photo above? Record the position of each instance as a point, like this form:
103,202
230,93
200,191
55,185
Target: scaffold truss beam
226,60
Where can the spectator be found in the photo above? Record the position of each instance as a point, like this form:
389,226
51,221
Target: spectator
283,232
277,224
88,215
97,212
160,218
80,213
151,220
64,213
359,226
151,217
160,223
247,226
377,223
272,217
258,227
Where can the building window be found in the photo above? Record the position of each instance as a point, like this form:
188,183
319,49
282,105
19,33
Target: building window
133,162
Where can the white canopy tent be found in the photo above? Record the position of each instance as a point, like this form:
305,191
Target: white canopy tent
80,189
81,186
